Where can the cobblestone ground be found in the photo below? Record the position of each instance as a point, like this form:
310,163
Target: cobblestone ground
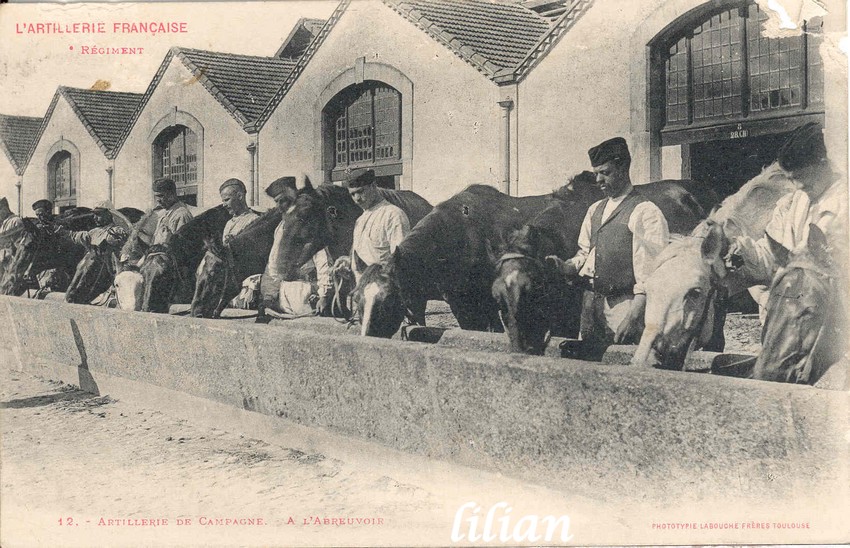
72,461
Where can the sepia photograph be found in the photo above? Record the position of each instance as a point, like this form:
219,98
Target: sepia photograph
424,273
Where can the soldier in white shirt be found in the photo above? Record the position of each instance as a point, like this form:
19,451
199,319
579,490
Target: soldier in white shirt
232,193
381,227
820,199
620,238
175,213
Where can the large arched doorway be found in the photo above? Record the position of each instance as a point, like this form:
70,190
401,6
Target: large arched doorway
362,128
727,94
61,181
175,155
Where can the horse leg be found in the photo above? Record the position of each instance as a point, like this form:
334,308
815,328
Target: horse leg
472,311
717,342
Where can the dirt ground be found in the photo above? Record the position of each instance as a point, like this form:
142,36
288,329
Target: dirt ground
71,462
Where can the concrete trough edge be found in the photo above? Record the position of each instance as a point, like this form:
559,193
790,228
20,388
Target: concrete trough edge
571,425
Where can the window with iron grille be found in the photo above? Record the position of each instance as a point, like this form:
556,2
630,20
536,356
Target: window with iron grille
725,68
62,188
176,157
366,126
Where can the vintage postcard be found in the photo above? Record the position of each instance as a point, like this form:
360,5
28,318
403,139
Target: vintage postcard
424,273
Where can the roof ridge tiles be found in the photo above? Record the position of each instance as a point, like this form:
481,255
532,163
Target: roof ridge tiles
489,36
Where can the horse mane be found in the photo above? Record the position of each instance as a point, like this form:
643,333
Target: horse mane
414,206
579,185
194,231
30,224
261,224
752,205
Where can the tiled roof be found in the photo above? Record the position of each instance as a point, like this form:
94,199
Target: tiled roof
501,34
242,84
302,62
502,40
17,134
104,113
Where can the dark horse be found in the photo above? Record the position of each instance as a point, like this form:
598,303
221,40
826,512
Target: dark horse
221,271
533,299
322,217
805,329
450,254
42,249
97,268
168,269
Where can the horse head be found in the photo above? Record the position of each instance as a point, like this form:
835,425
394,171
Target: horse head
216,282
161,275
378,303
805,324
129,288
17,270
92,277
521,289
680,298
320,217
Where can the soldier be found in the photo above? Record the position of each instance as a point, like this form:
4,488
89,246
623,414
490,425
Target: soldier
620,238
175,214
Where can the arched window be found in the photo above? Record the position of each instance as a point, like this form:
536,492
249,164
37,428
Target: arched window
62,188
723,95
722,68
176,157
363,124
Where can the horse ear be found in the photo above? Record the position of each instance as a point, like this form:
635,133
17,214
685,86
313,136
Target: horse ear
780,252
308,185
818,246
730,226
713,244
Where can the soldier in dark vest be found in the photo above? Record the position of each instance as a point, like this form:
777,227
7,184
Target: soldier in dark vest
620,238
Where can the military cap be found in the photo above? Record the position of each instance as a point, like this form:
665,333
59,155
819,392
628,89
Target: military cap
233,182
164,185
42,204
612,149
805,146
280,185
360,178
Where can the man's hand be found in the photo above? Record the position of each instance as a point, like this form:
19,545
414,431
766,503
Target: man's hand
323,306
632,325
565,268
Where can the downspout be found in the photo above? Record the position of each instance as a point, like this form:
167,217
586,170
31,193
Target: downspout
505,184
19,185
109,171
254,184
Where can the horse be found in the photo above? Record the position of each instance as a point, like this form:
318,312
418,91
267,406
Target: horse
450,254
141,237
534,299
688,286
41,249
804,333
169,269
219,276
96,270
321,217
